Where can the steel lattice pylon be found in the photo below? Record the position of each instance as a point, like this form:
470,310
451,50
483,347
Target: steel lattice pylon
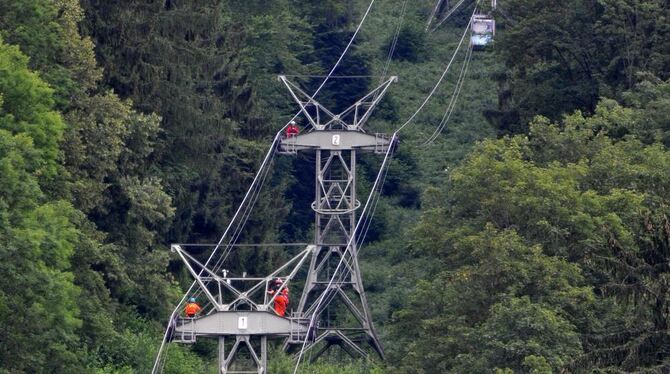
336,139
239,311
239,314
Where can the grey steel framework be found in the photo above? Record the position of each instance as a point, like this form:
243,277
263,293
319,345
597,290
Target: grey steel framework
238,311
336,139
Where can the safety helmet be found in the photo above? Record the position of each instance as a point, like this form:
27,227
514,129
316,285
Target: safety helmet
292,122
191,300
279,281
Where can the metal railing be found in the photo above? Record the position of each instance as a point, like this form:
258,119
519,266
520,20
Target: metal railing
186,333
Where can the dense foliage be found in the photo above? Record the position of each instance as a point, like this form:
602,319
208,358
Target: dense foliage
555,252
532,237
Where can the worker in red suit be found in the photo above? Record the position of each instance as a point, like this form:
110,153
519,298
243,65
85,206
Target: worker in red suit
281,301
292,129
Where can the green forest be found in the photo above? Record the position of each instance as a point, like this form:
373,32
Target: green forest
531,236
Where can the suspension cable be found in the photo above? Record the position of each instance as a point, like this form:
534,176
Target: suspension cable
454,98
394,43
433,13
446,16
245,218
346,49
240,226
190,289
444,74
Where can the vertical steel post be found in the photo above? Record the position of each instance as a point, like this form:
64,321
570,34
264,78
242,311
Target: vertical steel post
264,354
222,355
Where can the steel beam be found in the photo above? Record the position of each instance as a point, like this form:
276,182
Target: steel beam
231,323
335,141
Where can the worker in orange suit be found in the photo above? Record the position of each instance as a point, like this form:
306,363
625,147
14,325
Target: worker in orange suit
281,301
192,308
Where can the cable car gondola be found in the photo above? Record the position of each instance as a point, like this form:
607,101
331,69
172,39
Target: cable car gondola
483,29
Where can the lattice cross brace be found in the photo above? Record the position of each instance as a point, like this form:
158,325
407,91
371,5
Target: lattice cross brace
361,109
296,261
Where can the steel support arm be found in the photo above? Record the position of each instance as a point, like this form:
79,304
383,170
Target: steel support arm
335,140
196,276
230,323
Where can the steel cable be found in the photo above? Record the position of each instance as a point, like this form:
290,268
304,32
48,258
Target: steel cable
433,13
240,226
394,43
439,81
245,218
446,17
194,283
454,98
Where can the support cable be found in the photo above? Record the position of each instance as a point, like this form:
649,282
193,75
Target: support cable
256,187
374,209
454,98
394,43
249,195
346,49
175,312
245,218
433,13
164,360
240,226
337,63
444,74
446,16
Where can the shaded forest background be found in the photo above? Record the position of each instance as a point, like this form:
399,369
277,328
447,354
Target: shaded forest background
532,237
